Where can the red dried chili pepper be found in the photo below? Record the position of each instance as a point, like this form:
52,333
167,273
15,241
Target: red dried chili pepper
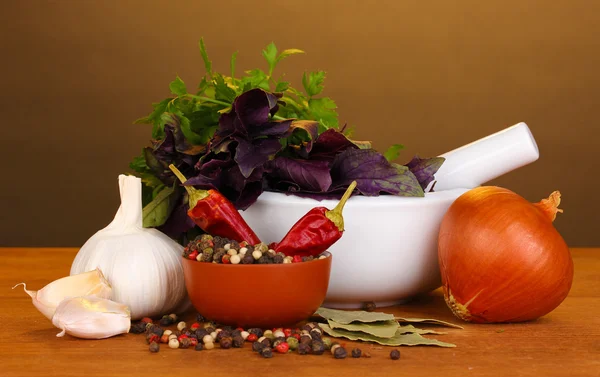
316,231
215,214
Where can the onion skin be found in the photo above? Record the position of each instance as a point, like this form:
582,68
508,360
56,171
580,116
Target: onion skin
501,259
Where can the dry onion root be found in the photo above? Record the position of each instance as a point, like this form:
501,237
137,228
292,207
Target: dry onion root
501,259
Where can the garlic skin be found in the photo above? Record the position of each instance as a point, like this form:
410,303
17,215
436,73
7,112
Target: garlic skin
91,317
47,299
143,265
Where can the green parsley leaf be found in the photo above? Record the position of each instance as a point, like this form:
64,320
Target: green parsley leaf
222,91
282,86
313,82
159,108
255,78
207,62
289,52
232,64
270,54
393,152
323,111
177,87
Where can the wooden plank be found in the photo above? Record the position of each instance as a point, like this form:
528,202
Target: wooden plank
565,342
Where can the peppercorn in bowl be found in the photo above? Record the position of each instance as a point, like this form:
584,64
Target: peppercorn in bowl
251,285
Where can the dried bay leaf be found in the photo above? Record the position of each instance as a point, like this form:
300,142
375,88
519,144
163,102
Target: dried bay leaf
427,322
381,329
346,317
399,339
407,329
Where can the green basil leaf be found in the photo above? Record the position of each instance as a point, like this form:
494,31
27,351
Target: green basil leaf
270,54
393,152
158,210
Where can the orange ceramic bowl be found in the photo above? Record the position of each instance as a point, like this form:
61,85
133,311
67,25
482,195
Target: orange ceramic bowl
257,295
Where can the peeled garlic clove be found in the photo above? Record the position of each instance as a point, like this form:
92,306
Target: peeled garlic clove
91,317
85,284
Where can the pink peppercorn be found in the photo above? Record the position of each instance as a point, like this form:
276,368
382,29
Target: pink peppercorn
195,326
194,342
297,259
287,332
146,320
252,338
181,337
193,255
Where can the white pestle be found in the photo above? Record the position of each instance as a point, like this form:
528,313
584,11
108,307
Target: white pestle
485,159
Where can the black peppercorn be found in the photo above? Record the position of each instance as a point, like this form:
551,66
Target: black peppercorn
200,333
340,353
395,355
222,334
238,341
278,259
304,348
266,352
257,346
369,306
199,346
277,341
187,332
307,327
154,347
209,329
217,256
264,260
185,343
137,328
200,318
266,342
248,259
226,342
257,331
305,339
318,347
356,353
157,330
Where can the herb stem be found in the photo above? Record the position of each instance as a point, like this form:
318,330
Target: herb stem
208,99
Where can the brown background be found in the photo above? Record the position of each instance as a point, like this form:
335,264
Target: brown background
432,75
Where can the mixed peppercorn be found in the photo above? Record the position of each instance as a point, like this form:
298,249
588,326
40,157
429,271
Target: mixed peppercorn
206,335
215,249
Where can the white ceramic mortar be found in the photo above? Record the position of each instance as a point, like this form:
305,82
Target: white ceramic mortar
388,252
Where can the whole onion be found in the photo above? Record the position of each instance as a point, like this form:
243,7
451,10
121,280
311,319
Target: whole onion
501,259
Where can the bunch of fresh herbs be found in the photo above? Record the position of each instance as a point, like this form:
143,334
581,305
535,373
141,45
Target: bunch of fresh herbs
245,134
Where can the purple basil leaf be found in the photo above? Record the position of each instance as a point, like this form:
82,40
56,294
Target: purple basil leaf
305,175
242,191
252,154
329,144
373,173
275,128
303,134
425,168
254,106
178,222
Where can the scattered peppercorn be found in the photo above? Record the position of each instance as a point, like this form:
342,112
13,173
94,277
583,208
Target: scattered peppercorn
199,347
356,353
266,342
282,347
340,353
173,343
226,342
238,341
154,347
293,343
209,345
137,328
252,338
395,355
304,348
327,342
164,338
266,352
152,338
369,306
257,331
181,325
318,347
185,343
257,346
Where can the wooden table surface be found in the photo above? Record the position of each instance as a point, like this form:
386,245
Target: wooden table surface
564,343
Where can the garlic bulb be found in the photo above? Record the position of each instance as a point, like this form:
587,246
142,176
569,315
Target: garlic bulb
85,284
142,265
91,317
